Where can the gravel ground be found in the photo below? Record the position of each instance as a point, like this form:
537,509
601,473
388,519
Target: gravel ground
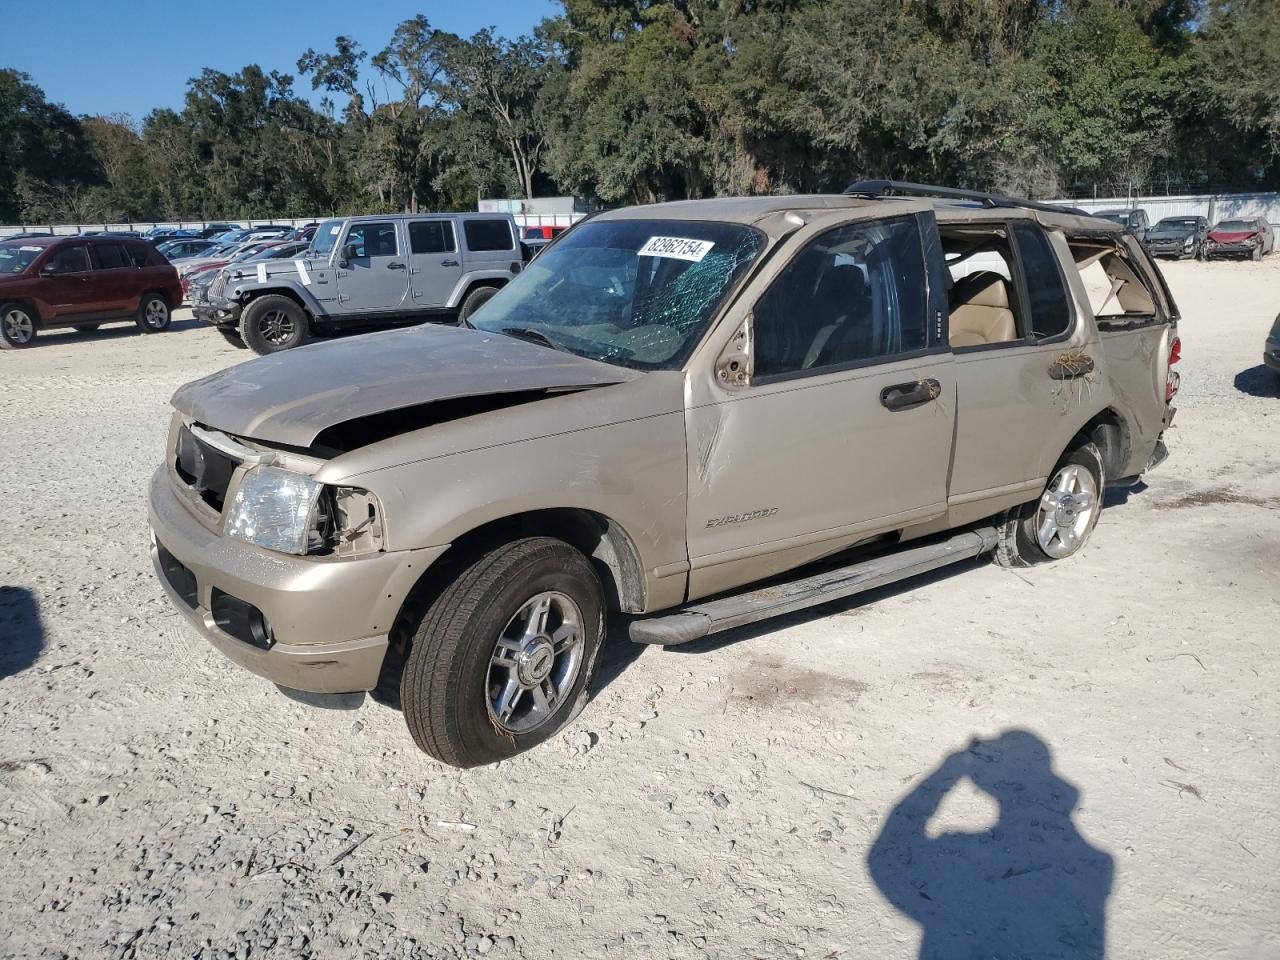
841,783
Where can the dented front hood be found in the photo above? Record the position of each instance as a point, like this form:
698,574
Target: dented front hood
289,398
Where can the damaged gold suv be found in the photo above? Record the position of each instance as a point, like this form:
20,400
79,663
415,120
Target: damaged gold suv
701,414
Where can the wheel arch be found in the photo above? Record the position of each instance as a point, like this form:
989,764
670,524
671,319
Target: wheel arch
605,544
1109,431
466,287
308,305
601,539
31,306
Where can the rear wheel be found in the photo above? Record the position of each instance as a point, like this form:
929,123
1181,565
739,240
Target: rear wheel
273,323
153,314
476,299
504,657
17,327
1057,525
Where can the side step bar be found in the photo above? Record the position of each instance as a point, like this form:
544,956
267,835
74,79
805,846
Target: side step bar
706,617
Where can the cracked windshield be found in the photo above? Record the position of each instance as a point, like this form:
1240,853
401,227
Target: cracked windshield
638,293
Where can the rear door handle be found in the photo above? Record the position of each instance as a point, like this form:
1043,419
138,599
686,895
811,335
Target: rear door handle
395,266
904,396
448,263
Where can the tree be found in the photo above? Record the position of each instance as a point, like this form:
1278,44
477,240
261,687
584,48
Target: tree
501,79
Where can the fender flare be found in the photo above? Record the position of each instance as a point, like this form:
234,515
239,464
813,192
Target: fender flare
246,290
469,280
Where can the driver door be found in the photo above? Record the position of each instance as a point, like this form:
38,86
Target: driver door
842,431
372,273
68,285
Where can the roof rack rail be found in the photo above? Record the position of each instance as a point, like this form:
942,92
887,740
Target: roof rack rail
878,188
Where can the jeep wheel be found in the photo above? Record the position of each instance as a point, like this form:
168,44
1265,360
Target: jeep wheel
17,327
1057,525
273,323
232,336
504,657
153,314
476,299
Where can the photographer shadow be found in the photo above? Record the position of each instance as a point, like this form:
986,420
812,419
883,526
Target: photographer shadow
1029,887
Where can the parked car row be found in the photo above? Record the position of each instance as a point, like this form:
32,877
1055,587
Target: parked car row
1191,237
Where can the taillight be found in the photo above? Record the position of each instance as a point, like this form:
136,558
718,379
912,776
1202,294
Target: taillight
1172,381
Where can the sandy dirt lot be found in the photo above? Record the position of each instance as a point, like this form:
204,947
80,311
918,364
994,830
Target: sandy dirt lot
1037,762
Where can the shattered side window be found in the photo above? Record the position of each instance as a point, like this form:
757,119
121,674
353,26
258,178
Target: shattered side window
638,293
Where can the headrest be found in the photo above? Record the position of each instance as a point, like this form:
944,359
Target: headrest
983,289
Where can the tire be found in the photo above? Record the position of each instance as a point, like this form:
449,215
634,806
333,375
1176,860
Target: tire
273,323
18,327
1256,253
468,684
154,315
476,299
232,336
86,327
1049,528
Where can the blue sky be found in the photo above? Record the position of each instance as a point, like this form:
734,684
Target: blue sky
132,56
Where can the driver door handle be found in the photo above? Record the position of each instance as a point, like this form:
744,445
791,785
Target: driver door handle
395,266
448,263
904,396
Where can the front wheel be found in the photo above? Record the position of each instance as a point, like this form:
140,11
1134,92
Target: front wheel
153,314
17,327
504,657
1057,525
273,323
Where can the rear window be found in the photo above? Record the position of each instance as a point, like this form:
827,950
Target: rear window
432,236
1050,312
488,235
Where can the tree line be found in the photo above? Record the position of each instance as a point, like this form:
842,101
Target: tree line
629,101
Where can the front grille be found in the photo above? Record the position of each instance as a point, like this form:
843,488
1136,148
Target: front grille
205,470
179,577
219,284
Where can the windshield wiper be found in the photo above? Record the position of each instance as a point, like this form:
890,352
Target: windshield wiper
534,336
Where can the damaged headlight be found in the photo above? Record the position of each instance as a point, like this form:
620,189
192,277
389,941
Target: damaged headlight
275,509
286,511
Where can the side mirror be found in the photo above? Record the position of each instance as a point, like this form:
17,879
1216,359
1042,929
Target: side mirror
350,251
48,272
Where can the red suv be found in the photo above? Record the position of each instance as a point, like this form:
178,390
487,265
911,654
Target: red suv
82,282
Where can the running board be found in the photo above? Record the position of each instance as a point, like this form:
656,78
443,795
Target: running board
701,619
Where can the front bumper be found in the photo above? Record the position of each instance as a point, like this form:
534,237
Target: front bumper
218,313
1230,249
329,618
1170,248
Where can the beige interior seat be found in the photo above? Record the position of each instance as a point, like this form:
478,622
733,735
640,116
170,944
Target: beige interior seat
980,311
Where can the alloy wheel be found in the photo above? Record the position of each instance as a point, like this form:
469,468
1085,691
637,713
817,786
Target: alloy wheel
1066,511
276,326
18,326
535,663
156,314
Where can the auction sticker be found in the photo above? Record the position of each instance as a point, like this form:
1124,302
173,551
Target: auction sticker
678,248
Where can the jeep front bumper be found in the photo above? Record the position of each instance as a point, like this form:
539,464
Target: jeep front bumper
218,313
